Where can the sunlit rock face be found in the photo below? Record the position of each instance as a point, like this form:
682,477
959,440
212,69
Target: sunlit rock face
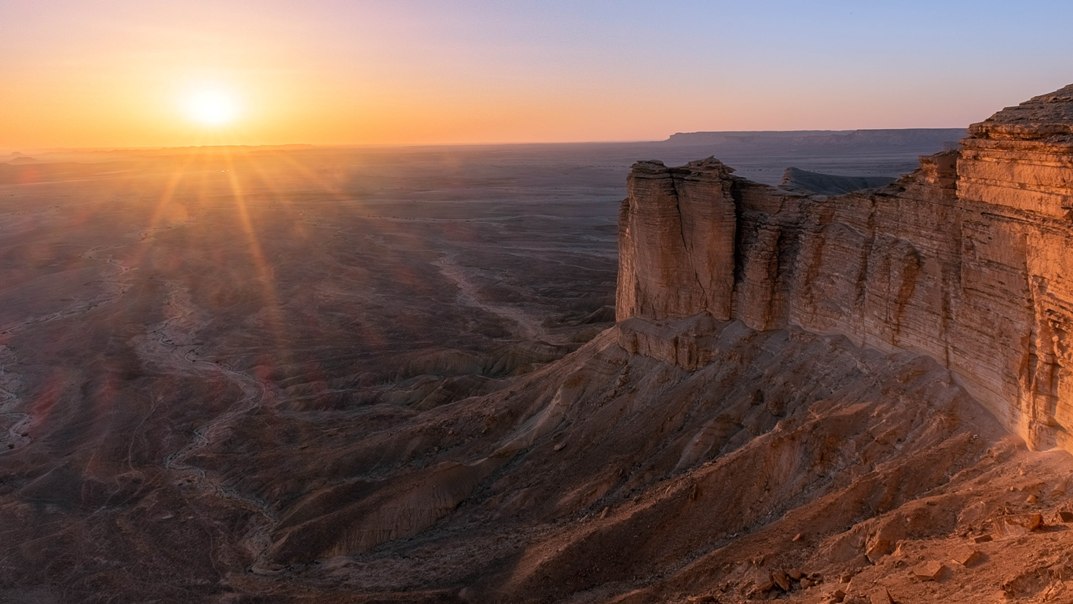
965,260
675,241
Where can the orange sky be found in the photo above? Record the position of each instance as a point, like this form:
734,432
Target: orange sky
116,73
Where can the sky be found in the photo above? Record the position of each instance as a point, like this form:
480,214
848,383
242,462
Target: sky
125,73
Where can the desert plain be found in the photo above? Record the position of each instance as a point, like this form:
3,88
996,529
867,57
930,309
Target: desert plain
388,374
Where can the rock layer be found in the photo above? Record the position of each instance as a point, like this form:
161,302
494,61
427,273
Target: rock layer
964,260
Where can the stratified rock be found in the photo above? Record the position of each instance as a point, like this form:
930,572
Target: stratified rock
967,556
677,230
932,570
781,579
878,548
1047,117
1034,522
964,261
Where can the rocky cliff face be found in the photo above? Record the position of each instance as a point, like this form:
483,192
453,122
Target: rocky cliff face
966,260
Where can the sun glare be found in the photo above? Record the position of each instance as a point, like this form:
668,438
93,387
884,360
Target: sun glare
212,107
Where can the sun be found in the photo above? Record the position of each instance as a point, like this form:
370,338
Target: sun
211,107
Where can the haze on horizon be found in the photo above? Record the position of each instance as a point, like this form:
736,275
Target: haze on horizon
129,73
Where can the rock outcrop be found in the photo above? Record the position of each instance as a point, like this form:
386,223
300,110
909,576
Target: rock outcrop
965,260
797,180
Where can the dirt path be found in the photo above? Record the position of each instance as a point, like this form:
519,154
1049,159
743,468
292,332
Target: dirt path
115,276
117,282
170,345
529,327
18,423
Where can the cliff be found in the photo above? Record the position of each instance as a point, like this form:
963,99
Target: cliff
964,261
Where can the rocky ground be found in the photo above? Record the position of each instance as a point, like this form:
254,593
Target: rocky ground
791,467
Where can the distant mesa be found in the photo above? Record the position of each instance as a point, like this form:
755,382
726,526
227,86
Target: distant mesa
817,183
18,158
921,140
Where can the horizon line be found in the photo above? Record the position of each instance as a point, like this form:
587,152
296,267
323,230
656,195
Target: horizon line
9,151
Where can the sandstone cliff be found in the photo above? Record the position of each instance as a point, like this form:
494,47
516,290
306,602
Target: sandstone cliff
964,261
